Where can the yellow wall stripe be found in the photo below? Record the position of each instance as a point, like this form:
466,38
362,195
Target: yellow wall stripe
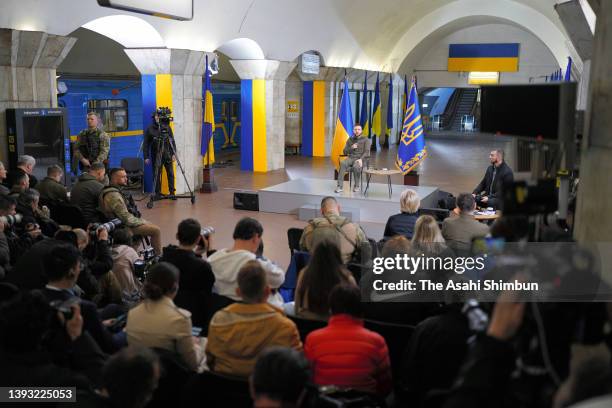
483,64
318,119
163,93
260,158
123,133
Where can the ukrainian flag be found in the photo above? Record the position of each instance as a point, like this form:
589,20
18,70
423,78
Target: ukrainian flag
344,126
483,57
364,117
376,120
208,123
412,148
389,110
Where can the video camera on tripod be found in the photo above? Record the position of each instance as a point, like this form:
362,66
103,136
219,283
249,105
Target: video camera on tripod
164,115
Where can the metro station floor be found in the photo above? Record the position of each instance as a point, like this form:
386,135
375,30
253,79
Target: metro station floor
455,163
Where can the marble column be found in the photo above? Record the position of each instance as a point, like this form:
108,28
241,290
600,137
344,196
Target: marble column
28,63
594,208
173,78
263,109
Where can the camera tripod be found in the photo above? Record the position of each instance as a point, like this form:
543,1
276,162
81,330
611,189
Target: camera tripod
162,142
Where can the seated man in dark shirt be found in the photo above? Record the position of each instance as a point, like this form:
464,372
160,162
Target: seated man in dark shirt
196,278
25,165
86,192
63,266
488,192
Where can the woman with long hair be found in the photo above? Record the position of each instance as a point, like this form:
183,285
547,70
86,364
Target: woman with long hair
427,236
324,271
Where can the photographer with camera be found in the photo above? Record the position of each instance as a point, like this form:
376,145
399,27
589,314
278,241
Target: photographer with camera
19,240
115,203
196,279
159,146
63,267
27,205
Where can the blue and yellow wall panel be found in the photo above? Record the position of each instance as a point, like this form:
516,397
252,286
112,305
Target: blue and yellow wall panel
483,57
253,146
313,119
156,92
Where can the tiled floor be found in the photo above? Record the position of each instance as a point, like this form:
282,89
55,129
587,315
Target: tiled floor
454,164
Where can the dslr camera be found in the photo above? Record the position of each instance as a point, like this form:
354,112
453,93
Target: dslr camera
10,220
141,266
110,226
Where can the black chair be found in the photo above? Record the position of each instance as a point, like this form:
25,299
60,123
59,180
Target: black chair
305,326
293,238
210,389
173,376
134,168
68,214
397,337
440,214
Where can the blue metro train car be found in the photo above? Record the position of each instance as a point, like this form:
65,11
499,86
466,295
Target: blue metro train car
119,103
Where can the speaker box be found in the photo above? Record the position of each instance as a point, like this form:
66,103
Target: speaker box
246,200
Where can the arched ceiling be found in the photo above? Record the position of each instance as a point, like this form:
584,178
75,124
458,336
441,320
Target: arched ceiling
375,35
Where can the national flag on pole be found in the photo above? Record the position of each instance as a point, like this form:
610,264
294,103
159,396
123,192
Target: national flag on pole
364,117
208,122
390,108
376,113
412,147
344,126
568,70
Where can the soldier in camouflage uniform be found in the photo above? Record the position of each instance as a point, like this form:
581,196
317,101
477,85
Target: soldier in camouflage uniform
93,144
114,203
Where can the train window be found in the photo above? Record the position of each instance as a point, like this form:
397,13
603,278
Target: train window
113,112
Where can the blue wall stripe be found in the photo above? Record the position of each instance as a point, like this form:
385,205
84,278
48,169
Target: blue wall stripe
483,50
307,118
246,113
149,104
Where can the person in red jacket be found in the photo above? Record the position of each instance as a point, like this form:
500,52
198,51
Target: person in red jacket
345,353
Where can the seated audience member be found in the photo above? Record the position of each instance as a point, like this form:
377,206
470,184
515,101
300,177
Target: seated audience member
403,223
85,194
51,188
345,353
280,378
227,262
26,328
115,203
324,271
240,332
157,322
21,183
97,264
332,226
196,280
4,190
19,240
124,255
5,254
459,231
29,271
25,165
62,266
27,205
428,239
129,379
436,351
395,306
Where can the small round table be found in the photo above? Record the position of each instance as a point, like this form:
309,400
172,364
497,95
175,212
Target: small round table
379,172
488,218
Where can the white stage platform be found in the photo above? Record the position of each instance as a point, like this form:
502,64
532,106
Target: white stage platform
288,197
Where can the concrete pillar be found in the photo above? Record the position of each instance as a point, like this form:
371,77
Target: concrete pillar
594,208
263,109
28,63
173,78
